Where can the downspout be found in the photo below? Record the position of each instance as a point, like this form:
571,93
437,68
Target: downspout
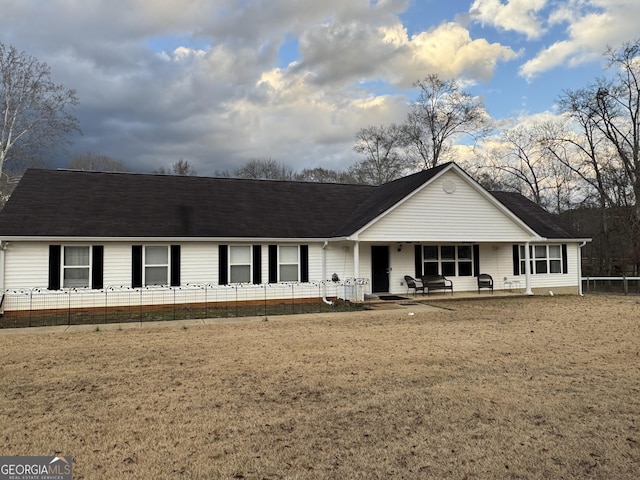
324,275
527,270
580,268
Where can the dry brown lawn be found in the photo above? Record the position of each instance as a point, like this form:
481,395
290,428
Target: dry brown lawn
515,388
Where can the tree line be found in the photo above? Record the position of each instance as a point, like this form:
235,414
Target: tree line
582,162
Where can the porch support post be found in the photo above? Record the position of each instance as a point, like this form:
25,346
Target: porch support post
580,292
356,259
3,248
527,269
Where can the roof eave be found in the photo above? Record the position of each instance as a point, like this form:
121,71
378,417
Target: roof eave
141,239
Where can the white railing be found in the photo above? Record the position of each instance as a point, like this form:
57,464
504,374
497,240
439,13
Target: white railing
626,285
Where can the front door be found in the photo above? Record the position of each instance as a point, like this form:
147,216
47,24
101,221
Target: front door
380,269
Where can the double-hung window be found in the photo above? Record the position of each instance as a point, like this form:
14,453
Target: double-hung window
240,264
76,267
156,265
289,263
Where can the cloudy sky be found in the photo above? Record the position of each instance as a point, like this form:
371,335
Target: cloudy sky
219,82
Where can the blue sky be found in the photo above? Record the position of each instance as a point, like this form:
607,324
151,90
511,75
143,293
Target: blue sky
220,82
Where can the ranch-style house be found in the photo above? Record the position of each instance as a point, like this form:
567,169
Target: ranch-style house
66,229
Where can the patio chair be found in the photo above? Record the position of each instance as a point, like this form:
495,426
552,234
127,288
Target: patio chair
485,281
413,283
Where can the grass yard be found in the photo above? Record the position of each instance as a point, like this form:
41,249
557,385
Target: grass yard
511,388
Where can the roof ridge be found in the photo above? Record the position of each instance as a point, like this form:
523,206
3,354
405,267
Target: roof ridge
207,177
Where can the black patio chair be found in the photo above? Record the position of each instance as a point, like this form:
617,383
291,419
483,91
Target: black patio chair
485,281
413,283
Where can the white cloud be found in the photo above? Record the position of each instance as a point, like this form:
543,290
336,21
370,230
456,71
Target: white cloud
348,52
449,51
591,26
515,15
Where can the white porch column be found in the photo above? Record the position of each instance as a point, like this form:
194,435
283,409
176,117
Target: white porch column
3,248
527,270
356,259
580,292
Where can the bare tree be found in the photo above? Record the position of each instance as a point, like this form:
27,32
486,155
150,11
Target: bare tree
323,175
35,113
521,160
441,113
265,169
618,113
89,161
8,182
385,158
181,167
608,110
519,155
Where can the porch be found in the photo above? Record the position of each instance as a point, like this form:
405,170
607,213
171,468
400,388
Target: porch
440,296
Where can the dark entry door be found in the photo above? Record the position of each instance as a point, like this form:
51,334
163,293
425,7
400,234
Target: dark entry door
380,268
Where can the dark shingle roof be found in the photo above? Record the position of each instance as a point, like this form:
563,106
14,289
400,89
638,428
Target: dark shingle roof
90,204
537,218
62,203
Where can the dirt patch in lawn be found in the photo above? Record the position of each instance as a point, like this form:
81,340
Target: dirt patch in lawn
522,388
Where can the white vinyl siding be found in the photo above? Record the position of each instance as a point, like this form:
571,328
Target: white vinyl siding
199,263
433,215
117,264
27,265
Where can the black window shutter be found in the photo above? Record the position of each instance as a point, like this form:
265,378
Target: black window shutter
516,260
223,264
273,264
304,263
97,267
418,260
175,265
54,267
257,264
565,267
136,266
476,260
